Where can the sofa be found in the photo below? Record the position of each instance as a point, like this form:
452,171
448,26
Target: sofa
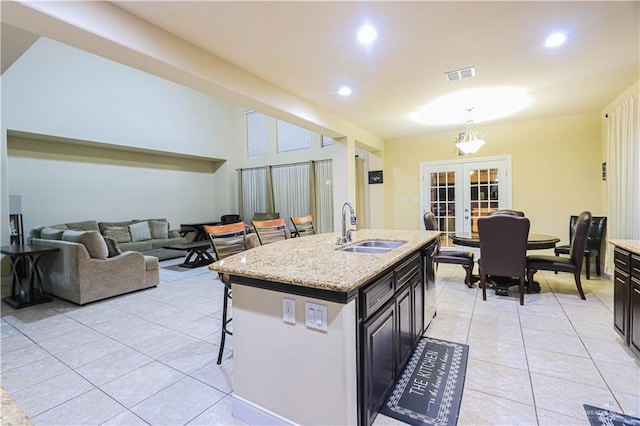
92,265
148,236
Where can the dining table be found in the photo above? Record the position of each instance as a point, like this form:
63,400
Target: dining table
535,241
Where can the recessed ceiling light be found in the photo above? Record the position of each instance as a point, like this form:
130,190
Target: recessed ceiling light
367,34
344,91
488,103
555,40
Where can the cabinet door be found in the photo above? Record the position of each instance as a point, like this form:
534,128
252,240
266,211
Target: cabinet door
621,286
417,289
634,323
379,334
405,327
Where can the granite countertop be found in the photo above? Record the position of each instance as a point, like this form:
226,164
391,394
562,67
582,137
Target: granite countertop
630,245
315,261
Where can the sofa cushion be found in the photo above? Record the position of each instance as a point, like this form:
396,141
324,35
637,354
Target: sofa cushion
112,246
159,229
105,225
120,233
87,225
92,240
36,232
48,233
136,246
140,231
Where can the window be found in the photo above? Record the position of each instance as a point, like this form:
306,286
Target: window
326,141
292,137
256,134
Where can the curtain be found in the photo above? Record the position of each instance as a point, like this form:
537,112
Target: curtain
323,220
291,190
361,204
252,189
623,170
294,190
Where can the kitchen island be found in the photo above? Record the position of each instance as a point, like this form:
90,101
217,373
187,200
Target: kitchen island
320,333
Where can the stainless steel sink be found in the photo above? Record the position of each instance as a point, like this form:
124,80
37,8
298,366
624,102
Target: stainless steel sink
373,246
364,249
380,243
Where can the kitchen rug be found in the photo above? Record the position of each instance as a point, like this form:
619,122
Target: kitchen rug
429,390
601,417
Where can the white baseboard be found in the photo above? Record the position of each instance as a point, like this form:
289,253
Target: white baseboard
252,414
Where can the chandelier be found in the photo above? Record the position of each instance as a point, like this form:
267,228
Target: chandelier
468,142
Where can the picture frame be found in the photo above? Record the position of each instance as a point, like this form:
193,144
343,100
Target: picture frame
375,176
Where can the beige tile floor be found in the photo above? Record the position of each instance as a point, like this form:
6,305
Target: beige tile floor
149,357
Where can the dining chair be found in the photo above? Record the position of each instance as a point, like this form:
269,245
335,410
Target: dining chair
507,212
270,231
227,240
503,249
463,258
571,264
597,232
303,225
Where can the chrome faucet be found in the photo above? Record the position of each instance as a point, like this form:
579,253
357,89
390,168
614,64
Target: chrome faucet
346,234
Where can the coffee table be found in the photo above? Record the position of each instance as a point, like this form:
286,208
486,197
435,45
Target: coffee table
197,249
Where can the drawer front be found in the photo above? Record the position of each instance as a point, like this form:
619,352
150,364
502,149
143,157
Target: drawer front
622,259
377,294
635,265
405,271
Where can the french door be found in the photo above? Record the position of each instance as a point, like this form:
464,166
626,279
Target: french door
458,192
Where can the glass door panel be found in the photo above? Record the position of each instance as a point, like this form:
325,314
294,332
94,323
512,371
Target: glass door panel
442,188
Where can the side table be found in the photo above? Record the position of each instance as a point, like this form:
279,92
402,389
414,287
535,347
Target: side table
21,297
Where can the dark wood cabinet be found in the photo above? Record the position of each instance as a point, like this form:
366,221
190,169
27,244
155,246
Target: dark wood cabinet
396,310
626,297
417,296
621,284
634,316
405,333
379,333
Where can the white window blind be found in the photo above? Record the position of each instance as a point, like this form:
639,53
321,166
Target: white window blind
256,134
326,141
292,137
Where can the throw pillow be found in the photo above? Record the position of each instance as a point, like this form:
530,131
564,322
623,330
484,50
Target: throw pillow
92,240
159,229
51,234
120,233
140,231
112,246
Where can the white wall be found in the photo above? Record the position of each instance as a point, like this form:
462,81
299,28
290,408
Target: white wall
60,91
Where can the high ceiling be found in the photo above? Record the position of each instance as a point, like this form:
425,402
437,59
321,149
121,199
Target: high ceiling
310,49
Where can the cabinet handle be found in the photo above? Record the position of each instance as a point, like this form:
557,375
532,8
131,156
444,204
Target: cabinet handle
636,290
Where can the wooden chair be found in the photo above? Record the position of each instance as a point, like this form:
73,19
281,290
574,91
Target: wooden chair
573,264
227,240
303,225
462,258
503,249
597,232
270,231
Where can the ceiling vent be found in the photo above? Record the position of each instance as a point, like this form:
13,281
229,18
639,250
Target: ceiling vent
460,74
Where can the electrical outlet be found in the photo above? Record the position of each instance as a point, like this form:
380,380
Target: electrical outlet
289,311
